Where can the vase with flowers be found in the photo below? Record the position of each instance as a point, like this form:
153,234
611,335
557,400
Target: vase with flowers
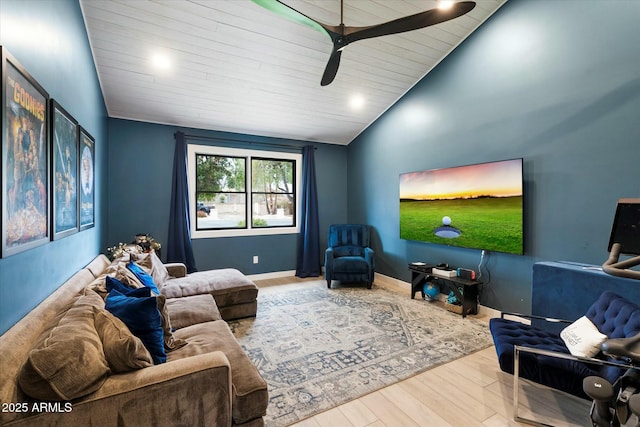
147,243
143,243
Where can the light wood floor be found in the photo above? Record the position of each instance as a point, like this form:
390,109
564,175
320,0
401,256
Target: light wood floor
470,391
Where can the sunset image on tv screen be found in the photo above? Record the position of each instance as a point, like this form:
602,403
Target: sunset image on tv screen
475,206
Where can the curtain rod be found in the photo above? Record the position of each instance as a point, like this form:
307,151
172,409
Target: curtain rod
243,141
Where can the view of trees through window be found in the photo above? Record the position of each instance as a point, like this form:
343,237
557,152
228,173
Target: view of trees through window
222,191
272,192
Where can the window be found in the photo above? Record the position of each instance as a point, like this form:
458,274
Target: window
273,193
221,195
235,192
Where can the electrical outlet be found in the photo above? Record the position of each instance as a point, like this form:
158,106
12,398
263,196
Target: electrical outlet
255,259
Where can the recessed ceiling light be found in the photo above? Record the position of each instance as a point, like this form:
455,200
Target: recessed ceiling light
356,102
160,61
445,4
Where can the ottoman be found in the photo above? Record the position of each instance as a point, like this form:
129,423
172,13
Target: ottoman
235,295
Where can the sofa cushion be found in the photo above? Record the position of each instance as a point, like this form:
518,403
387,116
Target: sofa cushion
350,264
170,343
117,269
176,269
187,311
349,251
561,374
126,276
98,265
228,286
153,266
582,338
112,283
70,363
250,394
123,350
99,286
143,277
139,311
616,317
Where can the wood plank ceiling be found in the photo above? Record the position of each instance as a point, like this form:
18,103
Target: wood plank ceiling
236,67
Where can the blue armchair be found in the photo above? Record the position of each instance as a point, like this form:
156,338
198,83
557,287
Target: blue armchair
348,257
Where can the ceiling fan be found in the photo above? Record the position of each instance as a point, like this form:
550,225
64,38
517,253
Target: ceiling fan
341,35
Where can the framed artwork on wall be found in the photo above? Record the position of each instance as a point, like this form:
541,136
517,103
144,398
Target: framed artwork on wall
86,173
64,173
25,159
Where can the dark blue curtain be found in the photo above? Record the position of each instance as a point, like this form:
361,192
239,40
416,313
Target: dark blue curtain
179,243
308,262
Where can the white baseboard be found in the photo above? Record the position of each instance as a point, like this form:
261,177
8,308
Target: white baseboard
482,310
272,275
517,318
488,311
391,281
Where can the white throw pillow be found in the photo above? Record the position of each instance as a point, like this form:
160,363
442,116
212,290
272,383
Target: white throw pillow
583,338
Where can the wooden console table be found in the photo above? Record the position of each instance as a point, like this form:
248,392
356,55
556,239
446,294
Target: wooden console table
468,297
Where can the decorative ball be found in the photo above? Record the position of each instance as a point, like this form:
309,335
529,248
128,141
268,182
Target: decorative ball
446,220
431,290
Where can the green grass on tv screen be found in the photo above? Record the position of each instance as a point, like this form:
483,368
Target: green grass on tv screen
489,223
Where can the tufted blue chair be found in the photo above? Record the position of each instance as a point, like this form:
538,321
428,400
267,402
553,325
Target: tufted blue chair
348,257
540,355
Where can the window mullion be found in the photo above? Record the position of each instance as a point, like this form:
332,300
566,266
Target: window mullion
248,192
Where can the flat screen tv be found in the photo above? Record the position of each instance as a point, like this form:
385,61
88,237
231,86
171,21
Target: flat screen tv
474,206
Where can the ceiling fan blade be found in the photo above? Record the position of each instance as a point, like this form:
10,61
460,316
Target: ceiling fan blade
293,15
331,69
409,23
341,36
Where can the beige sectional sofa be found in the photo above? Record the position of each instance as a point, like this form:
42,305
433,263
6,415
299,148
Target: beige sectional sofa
69,363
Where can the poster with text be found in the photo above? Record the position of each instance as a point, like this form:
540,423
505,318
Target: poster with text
25,159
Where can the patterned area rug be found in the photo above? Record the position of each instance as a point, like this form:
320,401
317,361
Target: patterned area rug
318,348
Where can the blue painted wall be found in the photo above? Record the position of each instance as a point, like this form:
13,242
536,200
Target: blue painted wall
49,39
554,82
140,167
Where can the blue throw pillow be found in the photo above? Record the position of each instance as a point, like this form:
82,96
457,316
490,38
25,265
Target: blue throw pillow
139,311
112,283
142,275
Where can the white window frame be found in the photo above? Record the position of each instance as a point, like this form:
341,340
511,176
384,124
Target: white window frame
193,149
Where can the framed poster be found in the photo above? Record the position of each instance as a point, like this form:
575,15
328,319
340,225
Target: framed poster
64,172
86,172
25,159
